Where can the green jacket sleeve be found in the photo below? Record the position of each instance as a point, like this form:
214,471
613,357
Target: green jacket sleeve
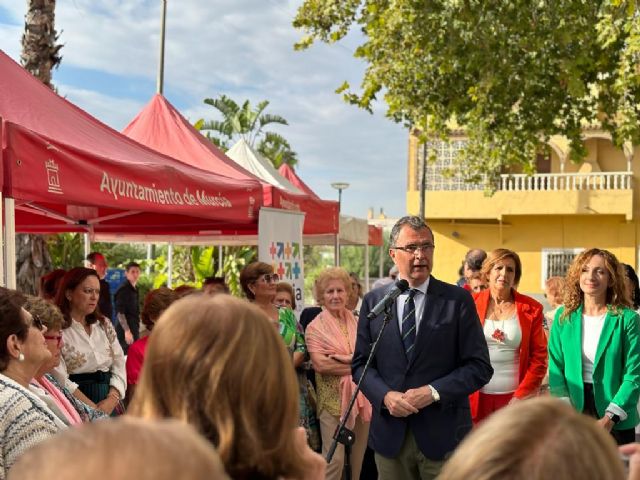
627,395
557,380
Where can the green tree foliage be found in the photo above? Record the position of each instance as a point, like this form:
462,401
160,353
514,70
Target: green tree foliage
513,73
276,148
66,250
234,260
247,122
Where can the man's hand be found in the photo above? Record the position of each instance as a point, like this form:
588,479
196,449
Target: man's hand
397,405
419,397
128,337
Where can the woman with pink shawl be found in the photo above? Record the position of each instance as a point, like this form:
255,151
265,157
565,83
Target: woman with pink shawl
331,338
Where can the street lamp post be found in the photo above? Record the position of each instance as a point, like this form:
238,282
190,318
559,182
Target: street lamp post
340,186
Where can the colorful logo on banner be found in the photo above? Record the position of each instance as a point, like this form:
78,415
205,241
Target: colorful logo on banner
286,259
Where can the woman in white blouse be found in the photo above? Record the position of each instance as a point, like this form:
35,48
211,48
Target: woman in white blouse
92,359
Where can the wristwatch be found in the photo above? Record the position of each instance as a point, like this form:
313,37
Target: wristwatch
613,417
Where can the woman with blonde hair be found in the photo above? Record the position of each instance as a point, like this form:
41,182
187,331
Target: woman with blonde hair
260,285
594,346
512,325
144,451
331,339
218,364
539,439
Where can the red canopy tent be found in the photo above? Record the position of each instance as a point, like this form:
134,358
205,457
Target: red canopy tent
287,172
160,126
374,233
68,171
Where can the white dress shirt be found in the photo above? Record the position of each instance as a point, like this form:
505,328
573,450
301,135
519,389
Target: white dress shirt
420,301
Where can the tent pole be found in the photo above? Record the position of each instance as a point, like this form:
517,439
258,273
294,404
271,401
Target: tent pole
170,266
87,245
160,84
10,242
220,266
147,270
381,261
366,268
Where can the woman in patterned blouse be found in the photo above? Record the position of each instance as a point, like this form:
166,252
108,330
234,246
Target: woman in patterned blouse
93,361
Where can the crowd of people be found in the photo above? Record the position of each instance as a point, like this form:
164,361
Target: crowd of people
467,381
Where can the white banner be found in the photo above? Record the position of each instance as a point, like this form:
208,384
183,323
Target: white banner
280,245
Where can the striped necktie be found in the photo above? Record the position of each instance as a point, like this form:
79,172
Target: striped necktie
409,322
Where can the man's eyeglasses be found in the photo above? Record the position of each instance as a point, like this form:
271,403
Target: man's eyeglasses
271,278
412,248
57,338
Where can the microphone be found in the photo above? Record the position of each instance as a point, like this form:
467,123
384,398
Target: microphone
389,298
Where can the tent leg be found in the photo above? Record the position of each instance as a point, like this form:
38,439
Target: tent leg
336,251
10,242
148,269
220,266
366,268
87,245
170,266
381,262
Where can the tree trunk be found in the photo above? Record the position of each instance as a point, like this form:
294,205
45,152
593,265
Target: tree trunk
40,55
39,50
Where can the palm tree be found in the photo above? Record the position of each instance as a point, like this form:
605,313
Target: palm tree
244,121
276,148
40,55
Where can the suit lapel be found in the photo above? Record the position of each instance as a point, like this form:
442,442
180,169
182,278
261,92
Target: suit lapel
610,322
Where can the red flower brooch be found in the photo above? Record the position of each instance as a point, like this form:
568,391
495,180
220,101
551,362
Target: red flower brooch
498,335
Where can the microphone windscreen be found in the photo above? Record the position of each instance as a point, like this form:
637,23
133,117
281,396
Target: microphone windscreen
402,285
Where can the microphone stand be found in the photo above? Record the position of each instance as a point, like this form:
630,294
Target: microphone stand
342,434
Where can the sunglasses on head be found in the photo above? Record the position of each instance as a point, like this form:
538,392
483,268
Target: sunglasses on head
36,322
271,278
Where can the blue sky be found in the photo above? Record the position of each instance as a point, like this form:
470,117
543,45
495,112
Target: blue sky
241,48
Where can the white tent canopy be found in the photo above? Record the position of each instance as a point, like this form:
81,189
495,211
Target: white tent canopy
244,155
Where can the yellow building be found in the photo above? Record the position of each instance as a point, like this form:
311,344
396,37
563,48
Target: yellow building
546,218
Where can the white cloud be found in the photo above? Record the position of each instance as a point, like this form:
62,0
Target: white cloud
112,111
242,48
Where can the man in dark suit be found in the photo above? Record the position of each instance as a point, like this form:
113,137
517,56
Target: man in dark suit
432,355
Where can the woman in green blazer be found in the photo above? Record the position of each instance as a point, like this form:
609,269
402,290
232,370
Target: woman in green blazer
594,347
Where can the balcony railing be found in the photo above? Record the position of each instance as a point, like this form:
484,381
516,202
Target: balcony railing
566,181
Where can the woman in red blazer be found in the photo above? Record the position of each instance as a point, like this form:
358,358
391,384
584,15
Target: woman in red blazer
512,325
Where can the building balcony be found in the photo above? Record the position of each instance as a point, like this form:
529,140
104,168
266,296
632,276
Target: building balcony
604,193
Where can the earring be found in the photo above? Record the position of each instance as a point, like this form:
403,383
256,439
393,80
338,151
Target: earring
21,357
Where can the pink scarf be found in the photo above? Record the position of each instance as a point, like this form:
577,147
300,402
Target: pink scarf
61,401
324,336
